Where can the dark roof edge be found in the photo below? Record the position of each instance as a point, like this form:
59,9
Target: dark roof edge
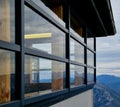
101,22
111,14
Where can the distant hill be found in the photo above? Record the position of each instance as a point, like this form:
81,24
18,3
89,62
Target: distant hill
105,97
112,82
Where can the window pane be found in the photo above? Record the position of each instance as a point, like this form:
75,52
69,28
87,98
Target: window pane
43,76
90,75
7,20
50,7
76,51
90,58
7,76
90,43
77,35
42,35
76,75
76,26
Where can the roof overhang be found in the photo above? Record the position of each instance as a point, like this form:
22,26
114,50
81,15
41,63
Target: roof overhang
96,14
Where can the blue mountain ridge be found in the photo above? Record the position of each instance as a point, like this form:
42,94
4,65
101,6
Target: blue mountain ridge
105,97
110,81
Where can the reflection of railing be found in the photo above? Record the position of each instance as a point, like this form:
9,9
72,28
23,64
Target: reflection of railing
77,78
41,69
55,82
46,75
77,81
36,87
90,77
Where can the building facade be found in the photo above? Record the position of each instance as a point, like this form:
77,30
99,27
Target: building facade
48,51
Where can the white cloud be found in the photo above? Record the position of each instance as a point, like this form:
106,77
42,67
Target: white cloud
108,48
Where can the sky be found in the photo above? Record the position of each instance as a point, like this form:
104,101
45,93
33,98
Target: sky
108,48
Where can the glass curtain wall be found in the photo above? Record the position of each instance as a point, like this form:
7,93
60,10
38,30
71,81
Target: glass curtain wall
43,53
43,75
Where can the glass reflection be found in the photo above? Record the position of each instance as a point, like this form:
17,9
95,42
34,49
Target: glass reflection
7,76
90,75
77,35
50,7
43,76
90,43
90,58
42,35
76,51
76,75
7,21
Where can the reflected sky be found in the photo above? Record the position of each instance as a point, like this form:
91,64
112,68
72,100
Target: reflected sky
35,25
108,48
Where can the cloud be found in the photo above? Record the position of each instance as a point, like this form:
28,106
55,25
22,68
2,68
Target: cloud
108,48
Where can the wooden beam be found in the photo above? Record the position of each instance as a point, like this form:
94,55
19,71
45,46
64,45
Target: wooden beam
58,10
79,31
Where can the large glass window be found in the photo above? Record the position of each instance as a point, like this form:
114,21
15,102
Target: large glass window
76,75
42,35
90,43
7,76
90,58
76,51
7,20
43,76
90,75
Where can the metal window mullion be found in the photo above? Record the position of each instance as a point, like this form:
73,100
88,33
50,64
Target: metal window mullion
41,54
9,46
85,53
19,33
78,40
77,63
66,18
91,50
95,59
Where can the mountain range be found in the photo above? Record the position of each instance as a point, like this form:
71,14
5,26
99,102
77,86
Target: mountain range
110,81
106,91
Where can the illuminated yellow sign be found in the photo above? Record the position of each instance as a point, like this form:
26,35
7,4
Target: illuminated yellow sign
35,36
